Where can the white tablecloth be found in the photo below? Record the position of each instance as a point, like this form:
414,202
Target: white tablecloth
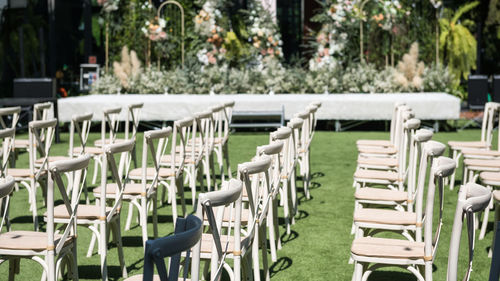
427,106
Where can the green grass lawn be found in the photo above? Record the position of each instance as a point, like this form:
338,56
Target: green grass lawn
319,246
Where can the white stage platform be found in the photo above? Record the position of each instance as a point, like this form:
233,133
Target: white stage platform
427,106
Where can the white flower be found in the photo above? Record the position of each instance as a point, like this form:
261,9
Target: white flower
162,23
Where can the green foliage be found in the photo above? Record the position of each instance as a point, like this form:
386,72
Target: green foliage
457,44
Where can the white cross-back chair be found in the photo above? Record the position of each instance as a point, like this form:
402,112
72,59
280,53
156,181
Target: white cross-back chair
225,240
41,111
143,193
221,129
284,135
173,164
472,198
9,116
100,218
372,253
370,221
294,146
41,134
366,175
52,249
273,150
492,182
490,111
303,143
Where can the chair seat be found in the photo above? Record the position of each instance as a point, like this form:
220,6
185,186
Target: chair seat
457,145
376,175
88,149
380,194
207,242
130,189
245,215
482,163
98,142
480,152
386,143
383,216
89,212
150,173
51,159
490,176
21,173
496,195
138,277
377,150
378,161
28,240
387,248
167,159
21,143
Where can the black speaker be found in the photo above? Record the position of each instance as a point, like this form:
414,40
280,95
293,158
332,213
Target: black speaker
34,88
478,91
496,88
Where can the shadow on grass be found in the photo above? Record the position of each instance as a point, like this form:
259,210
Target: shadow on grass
301,214
281,264
286,238
94,272
317,175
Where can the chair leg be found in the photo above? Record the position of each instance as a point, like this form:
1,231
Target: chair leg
173,195
119,245
130,214
255,257
155,216
34,208
103,249
263,247
212,168
144,220
225,151
272,233
293,192
276,223
456,157
74,264
180,190
485,220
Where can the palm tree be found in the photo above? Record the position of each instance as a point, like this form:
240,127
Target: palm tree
457,44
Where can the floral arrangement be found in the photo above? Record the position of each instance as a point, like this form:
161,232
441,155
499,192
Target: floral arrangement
263,33
332,39
212,33
408,73
108,5
389,12
153,29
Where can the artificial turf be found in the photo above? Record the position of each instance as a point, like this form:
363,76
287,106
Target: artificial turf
319,246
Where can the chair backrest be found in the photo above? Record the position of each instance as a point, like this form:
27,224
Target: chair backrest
228,107
490,110
41,111
183,130
418,138
441,168
394,119
78,167
305,131
6,187
273,150
257,183
41,135
285,135
110,118
123,149
80,124
205,136
154,155
225,200
312,119
133,115
11,114
409,128
472,198
7,136
296,125
221,120
430,151
187,233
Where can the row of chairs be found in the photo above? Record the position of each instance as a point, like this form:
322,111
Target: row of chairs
397,183
102,219
482,162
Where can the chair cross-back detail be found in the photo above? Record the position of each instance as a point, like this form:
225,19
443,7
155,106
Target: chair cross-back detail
143,193
38,145
371,253
221,131
56,248
220,245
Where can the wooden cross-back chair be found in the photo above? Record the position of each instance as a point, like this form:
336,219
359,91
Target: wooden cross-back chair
41,135
52,249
